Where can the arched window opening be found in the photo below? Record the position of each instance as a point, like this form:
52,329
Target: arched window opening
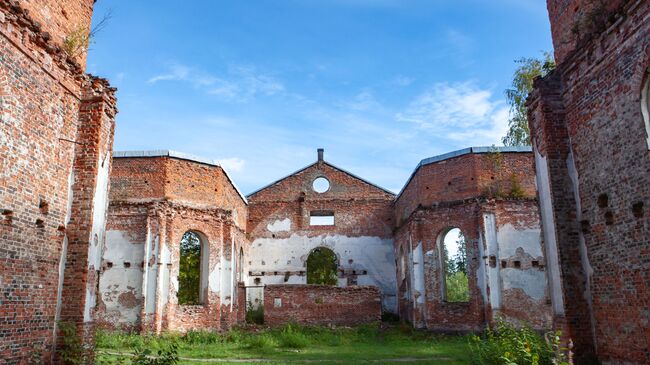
190,272
454,263
645,105
322,267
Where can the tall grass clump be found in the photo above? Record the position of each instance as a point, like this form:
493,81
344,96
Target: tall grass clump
201,338
262,342
509,345
292,337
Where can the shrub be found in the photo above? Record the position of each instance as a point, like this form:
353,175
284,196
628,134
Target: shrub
509,345
255,315
71,350
516,190
167,356
292,337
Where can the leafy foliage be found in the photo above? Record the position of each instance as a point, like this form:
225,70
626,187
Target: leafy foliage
189,273
522,84
509,345
456,281
322,267
168,356
71,350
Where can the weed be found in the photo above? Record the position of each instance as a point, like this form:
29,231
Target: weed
71,349
516,191
255,315
507,344
167,356
263,342
292,337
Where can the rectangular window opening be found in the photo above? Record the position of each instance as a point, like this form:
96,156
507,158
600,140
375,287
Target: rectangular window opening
321,218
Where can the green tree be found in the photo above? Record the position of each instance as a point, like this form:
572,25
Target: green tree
322,266
189,272
522,84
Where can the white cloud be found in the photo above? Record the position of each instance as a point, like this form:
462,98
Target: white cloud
239,84
461,112
233,164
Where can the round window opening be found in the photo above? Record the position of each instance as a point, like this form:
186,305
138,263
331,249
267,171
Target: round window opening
321,185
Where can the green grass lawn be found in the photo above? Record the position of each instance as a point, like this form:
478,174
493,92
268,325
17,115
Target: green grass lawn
384,344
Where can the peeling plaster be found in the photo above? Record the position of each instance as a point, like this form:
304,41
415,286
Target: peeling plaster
372,254
279,226
96,239
510,239
118,281
531,281
548,227
489,221
418,274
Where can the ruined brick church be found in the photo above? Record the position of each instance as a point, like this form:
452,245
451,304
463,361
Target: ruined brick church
555,236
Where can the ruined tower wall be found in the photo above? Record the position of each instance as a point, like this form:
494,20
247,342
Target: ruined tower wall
56,131
472,175
592,161
506,270
156,197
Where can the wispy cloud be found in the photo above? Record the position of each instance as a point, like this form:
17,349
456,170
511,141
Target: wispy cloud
233,164
460,111
238,84
364,100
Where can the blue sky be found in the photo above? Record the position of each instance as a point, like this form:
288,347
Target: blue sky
259,85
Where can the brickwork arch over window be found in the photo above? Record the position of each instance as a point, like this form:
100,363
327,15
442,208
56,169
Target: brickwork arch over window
645,105
453,257
322,267
192,270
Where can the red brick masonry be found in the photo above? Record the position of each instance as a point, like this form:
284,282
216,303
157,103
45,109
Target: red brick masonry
321,304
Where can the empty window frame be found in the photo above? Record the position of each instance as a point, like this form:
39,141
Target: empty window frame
321,218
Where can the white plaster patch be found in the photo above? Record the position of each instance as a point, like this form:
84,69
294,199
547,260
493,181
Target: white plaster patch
373,254
531,281
510,239
279,226
548,226
418,274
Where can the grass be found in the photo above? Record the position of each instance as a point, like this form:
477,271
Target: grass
295,344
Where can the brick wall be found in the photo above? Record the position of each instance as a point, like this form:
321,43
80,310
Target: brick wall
361,236
592,152
56,129
321,305
154,201
502,237
466,176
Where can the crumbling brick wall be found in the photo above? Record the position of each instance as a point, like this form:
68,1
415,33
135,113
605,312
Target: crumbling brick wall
56,134
592,156
503,245
156,198
321,305
361,236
